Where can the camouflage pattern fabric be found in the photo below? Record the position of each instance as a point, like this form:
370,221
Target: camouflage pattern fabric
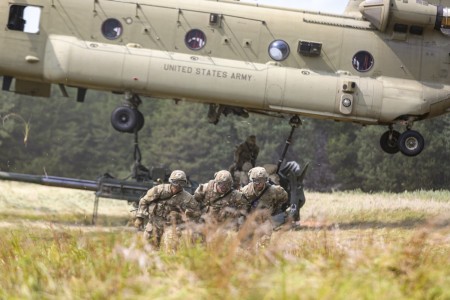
246,152
263,205
273,199
164,208
220,207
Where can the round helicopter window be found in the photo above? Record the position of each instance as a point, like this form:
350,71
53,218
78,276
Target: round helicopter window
362,61
195,39
112,29
279,50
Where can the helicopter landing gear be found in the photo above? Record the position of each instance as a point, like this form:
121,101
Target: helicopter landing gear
409,143
389,141
127,118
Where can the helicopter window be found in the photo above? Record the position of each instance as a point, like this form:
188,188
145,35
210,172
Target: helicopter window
400,28
195,39
24,18
309,48
362,61
112,29
279,50
417,30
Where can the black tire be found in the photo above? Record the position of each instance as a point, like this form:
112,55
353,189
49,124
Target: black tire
390,145
124,119
411,143
141,121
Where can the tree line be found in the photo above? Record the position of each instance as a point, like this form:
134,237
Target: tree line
61,137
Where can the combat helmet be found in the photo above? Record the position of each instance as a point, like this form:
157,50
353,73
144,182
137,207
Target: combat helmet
251,139
224,179
178,178
258,173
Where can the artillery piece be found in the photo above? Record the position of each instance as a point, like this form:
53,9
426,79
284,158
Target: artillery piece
105,186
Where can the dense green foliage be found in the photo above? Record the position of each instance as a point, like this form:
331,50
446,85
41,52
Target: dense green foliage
71,139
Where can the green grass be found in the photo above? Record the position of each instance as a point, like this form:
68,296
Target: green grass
350,246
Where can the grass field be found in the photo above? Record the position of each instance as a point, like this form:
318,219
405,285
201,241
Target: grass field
350,246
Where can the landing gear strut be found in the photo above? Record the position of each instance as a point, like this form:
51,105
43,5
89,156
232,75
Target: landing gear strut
127,118
409,143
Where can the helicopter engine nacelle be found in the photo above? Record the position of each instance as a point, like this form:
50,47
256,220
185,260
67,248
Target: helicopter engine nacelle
412,13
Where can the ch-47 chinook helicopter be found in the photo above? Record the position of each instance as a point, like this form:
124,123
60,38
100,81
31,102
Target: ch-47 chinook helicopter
383,62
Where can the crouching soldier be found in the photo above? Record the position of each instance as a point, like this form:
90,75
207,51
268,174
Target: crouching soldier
219,202
265,200
167,206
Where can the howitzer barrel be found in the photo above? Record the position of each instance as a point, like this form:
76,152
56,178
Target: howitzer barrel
105,187
81,184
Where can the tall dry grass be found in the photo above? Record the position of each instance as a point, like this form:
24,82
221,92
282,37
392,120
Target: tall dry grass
350,246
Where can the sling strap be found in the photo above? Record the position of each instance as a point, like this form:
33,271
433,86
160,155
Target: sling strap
255,202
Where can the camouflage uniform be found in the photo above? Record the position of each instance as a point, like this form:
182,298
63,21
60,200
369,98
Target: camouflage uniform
220,203
264,202
246,152
164,208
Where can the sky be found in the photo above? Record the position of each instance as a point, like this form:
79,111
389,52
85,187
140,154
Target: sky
330,6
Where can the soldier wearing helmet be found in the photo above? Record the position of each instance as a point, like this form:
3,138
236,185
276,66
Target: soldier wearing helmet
218,200
246,152
245,157
265,200
263,195
166,205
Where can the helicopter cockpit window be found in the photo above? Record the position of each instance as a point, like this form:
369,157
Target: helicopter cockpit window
112,29
362,61
24,18
279,50
195,39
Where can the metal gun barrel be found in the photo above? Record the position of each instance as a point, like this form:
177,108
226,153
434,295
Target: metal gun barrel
81,184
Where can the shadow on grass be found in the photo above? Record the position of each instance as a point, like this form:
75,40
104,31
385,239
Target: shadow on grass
408,223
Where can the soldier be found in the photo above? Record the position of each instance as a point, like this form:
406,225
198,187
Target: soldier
219,201
166,205
246,152
265,200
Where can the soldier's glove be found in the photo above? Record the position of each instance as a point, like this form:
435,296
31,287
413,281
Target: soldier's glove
139,223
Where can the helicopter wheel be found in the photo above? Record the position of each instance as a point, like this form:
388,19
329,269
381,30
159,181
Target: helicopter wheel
141,120
389,141
411,143
126,119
